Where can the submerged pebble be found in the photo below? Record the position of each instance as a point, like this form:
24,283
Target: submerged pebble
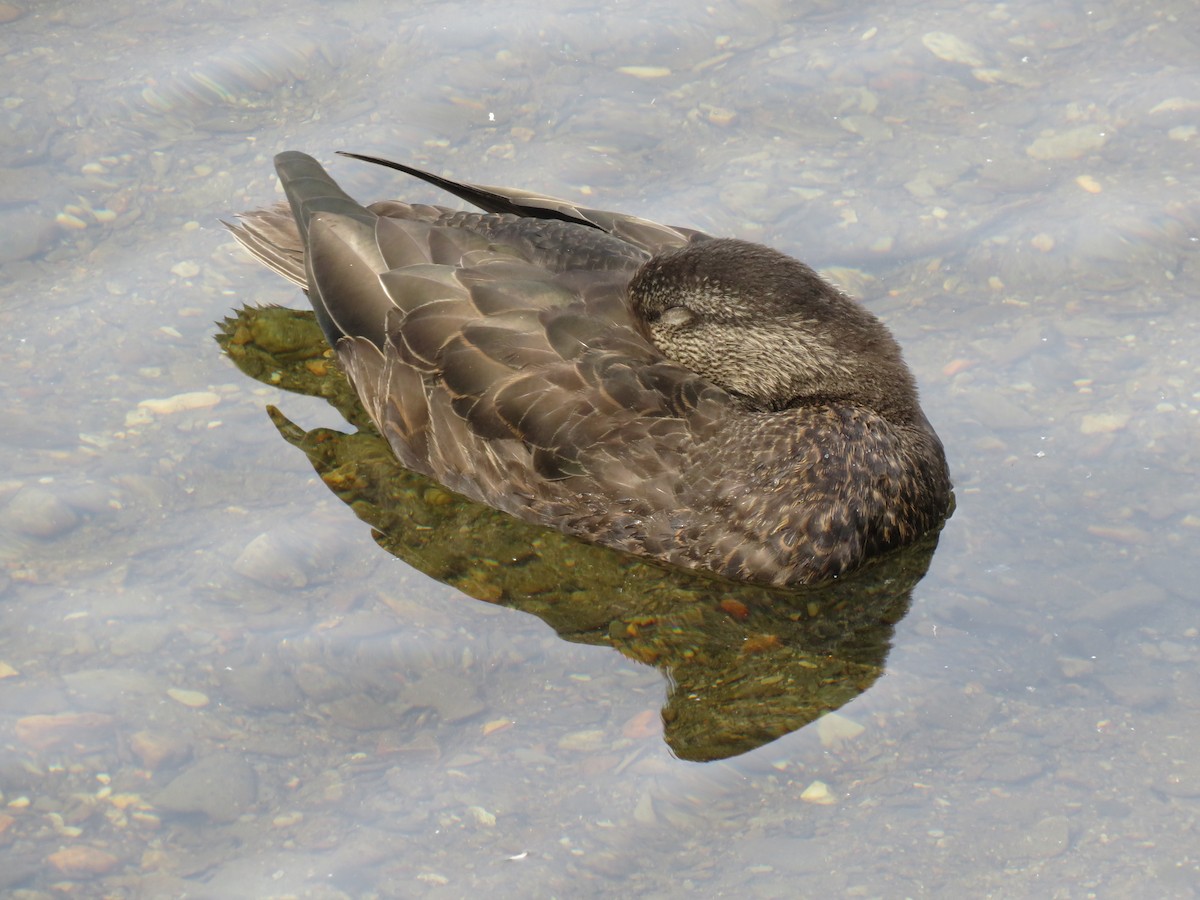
1071,144
165,406
834,729
191,699
1046,839
44,731
221,787
1134,601
645,71
82,860
951,48
155,748
818,793
37,512
273,560
1103,423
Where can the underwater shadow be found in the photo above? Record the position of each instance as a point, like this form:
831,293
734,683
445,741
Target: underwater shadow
744,664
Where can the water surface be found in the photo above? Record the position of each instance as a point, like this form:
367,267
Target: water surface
1012,187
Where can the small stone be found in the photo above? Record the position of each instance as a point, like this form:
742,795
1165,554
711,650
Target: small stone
39,513
154,749
359,711
185,269
1134,691
261,687
70,221
191,400
44,731
81,860
190,699
583,741
454,697
1011,768
108,690
1176,104
1076,668
989,76
1042,241
951,48
643,811
9,13
645,71
1071,144
719,115
221,787
1001,412
1045,840
1122,534
867,127
920,187
834,729
279,559
1089,184
482,816
27,232
1133,602
1103,423
818,793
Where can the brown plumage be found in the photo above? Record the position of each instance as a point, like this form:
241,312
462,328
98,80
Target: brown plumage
709,403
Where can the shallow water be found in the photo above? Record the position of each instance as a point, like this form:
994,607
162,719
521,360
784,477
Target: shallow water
1012,187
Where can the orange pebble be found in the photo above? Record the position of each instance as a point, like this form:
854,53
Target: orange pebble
735,608
81,860
757,643
643,725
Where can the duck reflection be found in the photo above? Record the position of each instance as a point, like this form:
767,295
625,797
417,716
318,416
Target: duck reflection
745,664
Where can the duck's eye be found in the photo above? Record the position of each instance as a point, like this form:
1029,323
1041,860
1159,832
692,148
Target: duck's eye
677,317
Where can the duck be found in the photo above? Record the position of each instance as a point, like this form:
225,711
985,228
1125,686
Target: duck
701,402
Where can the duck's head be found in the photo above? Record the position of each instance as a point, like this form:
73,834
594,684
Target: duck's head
770,330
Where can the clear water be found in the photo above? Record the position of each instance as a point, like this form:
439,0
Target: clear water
1012,187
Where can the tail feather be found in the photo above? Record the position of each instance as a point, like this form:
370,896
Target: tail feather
311,190
347,244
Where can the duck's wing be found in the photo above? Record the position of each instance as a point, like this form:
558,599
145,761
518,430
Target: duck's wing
520,386
499,361
649,236
529,382
544,231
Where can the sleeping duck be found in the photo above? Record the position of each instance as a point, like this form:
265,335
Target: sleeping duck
703,402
